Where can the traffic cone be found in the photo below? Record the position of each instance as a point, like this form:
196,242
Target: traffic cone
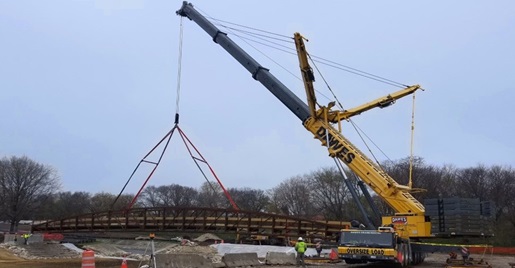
124,263
333,255
88,259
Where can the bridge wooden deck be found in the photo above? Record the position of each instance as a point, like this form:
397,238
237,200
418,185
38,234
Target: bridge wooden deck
195,220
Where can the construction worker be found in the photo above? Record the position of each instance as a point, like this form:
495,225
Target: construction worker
318,247
26,238
300,247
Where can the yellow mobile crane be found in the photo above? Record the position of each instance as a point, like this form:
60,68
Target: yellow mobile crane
390,242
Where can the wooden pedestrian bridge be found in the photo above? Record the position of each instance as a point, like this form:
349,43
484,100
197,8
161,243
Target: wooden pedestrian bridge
196,220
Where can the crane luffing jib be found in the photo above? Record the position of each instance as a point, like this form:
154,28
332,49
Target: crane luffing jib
307,73
396,195
335,116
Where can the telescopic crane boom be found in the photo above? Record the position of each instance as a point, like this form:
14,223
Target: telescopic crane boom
318,122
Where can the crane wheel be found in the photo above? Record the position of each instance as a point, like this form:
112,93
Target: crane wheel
406,257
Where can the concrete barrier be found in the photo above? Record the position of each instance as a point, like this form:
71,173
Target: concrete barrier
240,259
280,258
183,260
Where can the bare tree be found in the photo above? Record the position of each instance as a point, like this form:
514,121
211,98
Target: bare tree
169,195
22,182
68,204
250,199
435,181
501,181
211,195
329,193
293,197
179,195
510,212
47,209
62,204
447,182
473,183
150,197
103,201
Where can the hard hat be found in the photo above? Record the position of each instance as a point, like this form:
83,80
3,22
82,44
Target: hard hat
300,239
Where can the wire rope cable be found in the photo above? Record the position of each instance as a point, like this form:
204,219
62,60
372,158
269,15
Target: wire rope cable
252,31
264,38
255,34
341,107
410,180
358,72
179,69
254,47
246,27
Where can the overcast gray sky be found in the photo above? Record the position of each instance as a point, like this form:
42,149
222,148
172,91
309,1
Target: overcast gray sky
89,87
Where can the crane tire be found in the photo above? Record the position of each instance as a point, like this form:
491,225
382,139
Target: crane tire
405,251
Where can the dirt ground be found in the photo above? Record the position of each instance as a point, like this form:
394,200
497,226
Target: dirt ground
438,260
9,260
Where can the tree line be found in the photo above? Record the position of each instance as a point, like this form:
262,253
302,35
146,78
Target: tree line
31,191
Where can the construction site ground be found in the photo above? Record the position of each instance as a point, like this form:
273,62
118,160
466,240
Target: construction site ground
109,254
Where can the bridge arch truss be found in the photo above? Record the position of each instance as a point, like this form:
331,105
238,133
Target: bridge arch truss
196,220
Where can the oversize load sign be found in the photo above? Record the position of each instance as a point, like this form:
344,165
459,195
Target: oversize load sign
365,251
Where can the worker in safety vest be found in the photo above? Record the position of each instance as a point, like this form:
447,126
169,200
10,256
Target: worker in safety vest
300,247
26,238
